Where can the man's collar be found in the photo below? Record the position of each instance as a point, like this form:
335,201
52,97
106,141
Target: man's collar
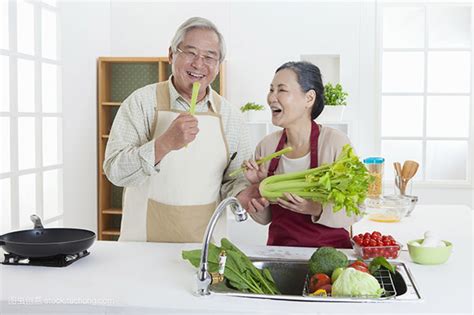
174,94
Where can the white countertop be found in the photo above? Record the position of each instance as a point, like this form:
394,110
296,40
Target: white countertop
152,277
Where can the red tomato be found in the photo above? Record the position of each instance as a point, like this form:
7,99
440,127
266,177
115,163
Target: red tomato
366,242
360,268
359,263
317,281
367,235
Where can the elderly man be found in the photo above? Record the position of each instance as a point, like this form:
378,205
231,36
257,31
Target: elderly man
175,166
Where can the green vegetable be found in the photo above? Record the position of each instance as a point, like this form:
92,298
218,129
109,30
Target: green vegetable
355,283
334,95
194,95
378,262
239,270
343,183
251,106
326,260
264,159
336,273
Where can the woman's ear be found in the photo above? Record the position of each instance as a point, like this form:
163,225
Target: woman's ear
310,97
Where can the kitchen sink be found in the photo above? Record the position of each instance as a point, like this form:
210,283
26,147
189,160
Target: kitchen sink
290,276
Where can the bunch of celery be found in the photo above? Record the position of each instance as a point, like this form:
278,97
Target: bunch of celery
343,183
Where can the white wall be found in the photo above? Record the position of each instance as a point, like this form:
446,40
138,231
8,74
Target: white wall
85,36
260,37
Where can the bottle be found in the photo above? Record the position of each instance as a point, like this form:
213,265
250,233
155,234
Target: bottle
375,167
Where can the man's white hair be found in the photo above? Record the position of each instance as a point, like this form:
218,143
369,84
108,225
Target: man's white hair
201,23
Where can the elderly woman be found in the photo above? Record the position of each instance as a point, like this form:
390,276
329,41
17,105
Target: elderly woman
296,99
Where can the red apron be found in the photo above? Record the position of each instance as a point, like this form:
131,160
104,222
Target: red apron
289,228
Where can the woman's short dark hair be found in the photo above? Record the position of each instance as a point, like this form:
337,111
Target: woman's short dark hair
309,78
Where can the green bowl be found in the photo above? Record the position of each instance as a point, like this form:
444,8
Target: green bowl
429,255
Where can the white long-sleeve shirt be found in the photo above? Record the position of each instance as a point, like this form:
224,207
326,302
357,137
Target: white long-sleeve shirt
130,152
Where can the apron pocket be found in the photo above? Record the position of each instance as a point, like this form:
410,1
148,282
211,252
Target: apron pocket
177,224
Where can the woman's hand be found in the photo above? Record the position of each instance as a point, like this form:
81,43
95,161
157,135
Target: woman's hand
300,205
254,173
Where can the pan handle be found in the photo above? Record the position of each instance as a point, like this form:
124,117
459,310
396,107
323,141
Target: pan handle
36,221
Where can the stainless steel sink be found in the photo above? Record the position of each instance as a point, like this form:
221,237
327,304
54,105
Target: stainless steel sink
290,275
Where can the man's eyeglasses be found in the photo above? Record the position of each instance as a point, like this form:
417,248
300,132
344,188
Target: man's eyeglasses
191,55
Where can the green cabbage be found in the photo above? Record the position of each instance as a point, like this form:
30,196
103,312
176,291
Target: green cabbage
355,283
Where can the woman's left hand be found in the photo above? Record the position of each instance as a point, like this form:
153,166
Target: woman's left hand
300,205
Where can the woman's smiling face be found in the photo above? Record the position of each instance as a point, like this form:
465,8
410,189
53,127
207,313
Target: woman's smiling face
287,101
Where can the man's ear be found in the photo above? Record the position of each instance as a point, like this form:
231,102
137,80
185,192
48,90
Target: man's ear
310,97
170,55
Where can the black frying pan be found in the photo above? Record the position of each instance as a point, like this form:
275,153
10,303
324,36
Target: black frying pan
41,242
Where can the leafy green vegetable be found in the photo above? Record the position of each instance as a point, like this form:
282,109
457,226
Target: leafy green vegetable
251,106
239,270
355,283
378,262
326,259
334,95
343,183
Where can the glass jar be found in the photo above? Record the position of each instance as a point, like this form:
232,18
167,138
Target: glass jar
375,167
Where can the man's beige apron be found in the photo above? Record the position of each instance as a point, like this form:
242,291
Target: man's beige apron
176,204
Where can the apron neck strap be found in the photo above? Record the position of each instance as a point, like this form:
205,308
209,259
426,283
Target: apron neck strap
313,148
163,96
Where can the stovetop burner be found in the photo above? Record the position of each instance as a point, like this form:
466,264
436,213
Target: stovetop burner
54,261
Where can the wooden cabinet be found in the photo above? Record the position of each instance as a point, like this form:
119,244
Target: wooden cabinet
118,77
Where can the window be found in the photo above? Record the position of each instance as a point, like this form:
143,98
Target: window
30,115
426,72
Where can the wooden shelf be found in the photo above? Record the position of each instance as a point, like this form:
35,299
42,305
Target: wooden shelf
111,232
112,211
111,103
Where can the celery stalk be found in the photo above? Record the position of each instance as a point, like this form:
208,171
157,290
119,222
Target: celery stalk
194,95
263,160
343,183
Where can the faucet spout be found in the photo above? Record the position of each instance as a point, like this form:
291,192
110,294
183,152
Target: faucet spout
203,276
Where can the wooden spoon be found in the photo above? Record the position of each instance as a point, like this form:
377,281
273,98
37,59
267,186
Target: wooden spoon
398,179
408,171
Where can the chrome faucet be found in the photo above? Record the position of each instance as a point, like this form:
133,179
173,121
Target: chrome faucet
203,276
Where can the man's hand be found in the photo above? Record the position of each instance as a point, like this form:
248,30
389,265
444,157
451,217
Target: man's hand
182,131
248,194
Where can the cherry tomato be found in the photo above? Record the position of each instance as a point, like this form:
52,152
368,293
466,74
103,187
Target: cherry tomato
376,234
357,239
367,235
